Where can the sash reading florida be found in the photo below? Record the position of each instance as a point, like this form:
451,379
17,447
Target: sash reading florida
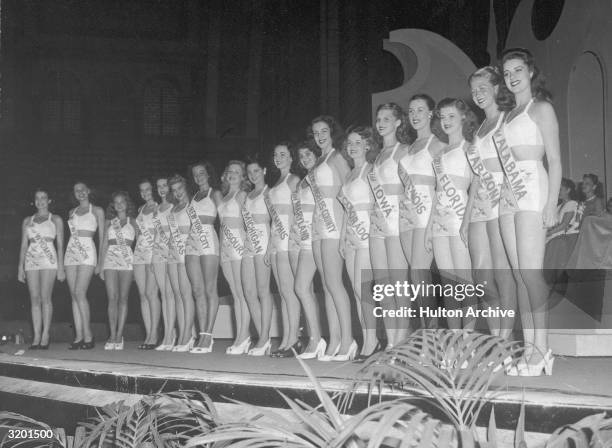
455,200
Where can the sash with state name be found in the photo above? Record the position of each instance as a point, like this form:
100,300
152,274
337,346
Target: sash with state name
357,226
175,232
384,204
515,179
75,239
251,231
449,189
125,255
197,226
42,244
278,223
487,180
328,221
146,233
299,215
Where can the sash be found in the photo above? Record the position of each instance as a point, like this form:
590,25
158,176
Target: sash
280,228
165,239
42,244
231,238
146,234
486,177
251,231
75,239
299,215
451,192
321,205
125,255
176,234
357,225
383,203
514,176
412,195
197,226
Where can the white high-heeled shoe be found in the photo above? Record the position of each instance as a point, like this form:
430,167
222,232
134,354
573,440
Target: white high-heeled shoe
109,346
209,349
349,355
544,366
325,357
167,347
185,347
318,352
239,349
119,345
261,351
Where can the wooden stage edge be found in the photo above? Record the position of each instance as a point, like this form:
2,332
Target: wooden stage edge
547,408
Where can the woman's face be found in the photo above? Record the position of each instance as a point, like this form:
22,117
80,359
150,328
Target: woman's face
41,200
356,146
588,187
81,192
419,114
162,187
517,75
179,191
564,193
200,176
120,203
282,157
308,159
146,191
322,135
233,174
451,120
256,173
386,122
483,92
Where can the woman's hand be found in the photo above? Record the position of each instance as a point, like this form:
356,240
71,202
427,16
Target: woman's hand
61,274
342,248
21,274
463,232
428,239
266,258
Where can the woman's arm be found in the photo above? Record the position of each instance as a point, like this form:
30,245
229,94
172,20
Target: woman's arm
99,214
546,119
103,249
465,223
59,232
22,251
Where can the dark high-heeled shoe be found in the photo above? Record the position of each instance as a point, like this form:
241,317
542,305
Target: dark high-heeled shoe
362,358
291,351
75,345
88,345
44,347
34,346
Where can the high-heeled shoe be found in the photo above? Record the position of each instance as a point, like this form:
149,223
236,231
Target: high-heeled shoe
291,351
362,358
88,345
119,345
544,366
239,349
167,347
318,351
34,347
109,346
43,347
185,347
261,351
349,355
75,345
325,357
208,349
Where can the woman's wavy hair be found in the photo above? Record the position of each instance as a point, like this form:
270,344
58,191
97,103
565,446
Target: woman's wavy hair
404,133
130,211
335,129
213,179
311,146
538,90
146,180
49,197
257,159
177,179
434,124
598,190
91,196
470,121
571,186
504,98
157,179
369,136
245,185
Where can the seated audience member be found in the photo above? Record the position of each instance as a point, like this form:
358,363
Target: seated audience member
592,203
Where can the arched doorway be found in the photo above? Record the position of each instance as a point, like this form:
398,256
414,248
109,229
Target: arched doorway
586,120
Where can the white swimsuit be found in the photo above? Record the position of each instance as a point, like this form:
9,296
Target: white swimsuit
41,252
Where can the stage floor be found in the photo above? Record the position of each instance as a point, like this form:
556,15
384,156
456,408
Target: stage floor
578,387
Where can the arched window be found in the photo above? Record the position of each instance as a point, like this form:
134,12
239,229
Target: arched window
61,103
115,105
161,108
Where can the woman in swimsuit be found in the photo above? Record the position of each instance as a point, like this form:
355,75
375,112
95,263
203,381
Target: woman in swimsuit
202,251
81,261
530,131
117,263
40,264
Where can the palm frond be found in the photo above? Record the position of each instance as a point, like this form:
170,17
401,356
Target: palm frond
592,431
13,420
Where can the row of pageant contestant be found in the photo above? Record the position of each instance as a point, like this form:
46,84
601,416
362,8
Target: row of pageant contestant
478,200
